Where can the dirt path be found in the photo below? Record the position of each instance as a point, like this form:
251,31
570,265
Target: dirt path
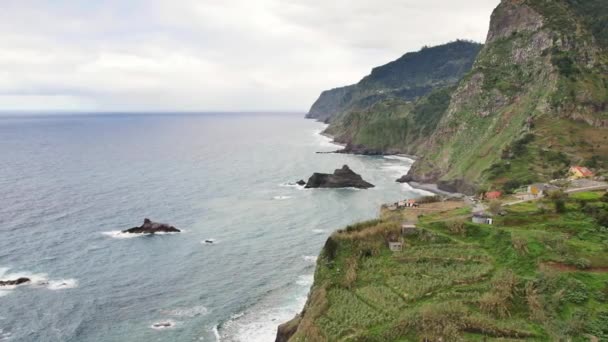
570,268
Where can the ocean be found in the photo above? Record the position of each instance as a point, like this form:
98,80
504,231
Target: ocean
70,183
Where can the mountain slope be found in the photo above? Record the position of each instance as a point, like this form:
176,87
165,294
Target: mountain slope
541,65
407,78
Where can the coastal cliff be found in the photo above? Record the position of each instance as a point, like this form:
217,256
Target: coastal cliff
450,279
534,101
411,76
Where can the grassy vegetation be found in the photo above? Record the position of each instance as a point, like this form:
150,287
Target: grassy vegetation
535,275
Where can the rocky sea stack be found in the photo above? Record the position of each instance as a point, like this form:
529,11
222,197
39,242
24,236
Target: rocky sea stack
341,178
150,227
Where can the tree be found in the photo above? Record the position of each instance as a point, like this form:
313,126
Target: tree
495,207
559,200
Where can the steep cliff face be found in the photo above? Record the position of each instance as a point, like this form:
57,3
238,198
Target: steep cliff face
330,102
407,78
541,65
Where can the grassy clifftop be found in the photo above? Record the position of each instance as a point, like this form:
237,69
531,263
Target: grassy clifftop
536,275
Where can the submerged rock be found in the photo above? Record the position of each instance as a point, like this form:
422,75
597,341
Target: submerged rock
341,178
18,281
301,182
150,227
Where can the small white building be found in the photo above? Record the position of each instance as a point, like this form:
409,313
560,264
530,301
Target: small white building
482,219
395,246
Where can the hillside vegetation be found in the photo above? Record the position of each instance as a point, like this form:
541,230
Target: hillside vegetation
538,274
413,75
534,102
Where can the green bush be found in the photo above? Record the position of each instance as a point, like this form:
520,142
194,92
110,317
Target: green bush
576,291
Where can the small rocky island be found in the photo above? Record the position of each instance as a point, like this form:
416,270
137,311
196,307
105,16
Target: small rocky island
150,227
341,178
19,281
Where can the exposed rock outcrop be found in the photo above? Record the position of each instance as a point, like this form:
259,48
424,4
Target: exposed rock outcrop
150,227
341,178
18,281
287,330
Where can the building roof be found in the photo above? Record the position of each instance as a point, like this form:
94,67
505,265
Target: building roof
411,201
482,215
582,170
493,194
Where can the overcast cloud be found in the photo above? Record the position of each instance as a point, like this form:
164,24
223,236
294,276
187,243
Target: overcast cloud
226,55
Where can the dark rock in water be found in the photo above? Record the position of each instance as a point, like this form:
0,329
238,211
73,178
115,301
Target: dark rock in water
18,281
150,227
301,182
361,150
209,241
341,178
405,179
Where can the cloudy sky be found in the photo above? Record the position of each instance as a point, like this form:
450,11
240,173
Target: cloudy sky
226,55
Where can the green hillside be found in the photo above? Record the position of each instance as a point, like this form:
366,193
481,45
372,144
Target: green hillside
543,70
538,274
413,75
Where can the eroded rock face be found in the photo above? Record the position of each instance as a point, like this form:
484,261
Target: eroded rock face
18,281
512,16
287,330
150,227
341,178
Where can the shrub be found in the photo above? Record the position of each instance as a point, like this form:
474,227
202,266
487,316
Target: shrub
576,291
457,227
560,206
520,245
599,326
582,263
499,301
495,207
534,301
442,322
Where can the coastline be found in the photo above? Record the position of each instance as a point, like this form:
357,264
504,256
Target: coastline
434,188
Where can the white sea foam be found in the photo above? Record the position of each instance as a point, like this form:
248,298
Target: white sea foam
325,141
409,188
37,280
62,284
187,312
216,333
310,258
260,325
402,158
281,198
292,185
117,234
305,280
318,231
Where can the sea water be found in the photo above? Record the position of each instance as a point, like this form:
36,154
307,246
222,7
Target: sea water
70,183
